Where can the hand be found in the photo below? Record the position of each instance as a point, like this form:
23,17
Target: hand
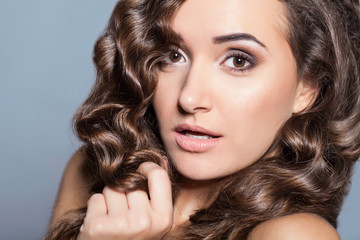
131,215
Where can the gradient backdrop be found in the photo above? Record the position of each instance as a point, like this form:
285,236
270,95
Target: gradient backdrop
45,73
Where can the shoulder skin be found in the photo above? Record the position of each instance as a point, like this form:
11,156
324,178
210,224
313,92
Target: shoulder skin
74,189
302,226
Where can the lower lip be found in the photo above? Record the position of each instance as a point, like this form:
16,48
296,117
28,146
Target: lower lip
194,144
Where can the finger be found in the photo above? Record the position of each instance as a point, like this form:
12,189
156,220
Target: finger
159,186
115,201
138,201
96,206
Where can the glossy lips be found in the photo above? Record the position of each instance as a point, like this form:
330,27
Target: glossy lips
195,138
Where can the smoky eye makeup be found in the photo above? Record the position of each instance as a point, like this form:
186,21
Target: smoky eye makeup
173,56
237,60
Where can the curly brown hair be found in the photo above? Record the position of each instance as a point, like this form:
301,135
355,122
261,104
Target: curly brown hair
312,157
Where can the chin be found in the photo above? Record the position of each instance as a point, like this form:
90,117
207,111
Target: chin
197,172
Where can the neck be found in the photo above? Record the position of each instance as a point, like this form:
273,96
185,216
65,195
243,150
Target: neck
192,195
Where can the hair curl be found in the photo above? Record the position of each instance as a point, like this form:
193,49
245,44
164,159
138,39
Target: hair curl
313,154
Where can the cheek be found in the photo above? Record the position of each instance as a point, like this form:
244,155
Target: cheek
261,108
265,103
163,96
160,105
273,99
165,99
272,105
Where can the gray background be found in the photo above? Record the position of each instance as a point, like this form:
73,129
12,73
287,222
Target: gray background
45,73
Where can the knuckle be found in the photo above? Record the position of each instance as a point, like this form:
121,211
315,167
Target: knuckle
105,226
164,223
167,222
82,228
159,173
86,222
96,227
139,226
106,190
119,224
144,224
96,198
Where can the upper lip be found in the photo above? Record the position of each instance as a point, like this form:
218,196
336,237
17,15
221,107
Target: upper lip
195,128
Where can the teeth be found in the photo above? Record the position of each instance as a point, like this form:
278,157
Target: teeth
198,136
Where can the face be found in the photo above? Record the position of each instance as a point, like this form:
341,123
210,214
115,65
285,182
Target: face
225,91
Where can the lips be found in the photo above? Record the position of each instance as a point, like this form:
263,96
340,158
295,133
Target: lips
195,138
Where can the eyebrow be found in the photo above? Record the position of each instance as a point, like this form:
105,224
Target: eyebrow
236,37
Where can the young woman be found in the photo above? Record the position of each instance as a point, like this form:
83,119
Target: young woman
235,119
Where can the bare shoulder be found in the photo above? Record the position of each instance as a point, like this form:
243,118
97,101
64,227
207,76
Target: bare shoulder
302,226
74,189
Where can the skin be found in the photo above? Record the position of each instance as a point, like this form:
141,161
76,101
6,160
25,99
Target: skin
74,190
201,86
131,215
246,108
295,227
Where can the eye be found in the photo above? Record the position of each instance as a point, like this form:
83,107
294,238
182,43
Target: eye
239,61
236,62
174,57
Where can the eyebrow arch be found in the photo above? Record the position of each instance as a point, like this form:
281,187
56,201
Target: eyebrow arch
179,37
236,37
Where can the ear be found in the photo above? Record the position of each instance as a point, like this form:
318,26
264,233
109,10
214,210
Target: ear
306,93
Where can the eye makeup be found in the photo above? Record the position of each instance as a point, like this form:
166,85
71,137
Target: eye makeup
237,60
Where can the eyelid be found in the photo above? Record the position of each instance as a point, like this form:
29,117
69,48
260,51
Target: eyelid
242,54
166,60
179,50
238,52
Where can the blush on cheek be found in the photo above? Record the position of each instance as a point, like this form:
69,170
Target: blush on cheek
264,115
278,93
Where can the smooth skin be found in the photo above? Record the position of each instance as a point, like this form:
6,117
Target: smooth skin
131,215
243,89
245,104
295,227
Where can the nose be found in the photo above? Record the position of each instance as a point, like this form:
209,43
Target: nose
195,95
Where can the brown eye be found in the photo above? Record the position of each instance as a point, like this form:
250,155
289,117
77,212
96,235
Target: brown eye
239,62
175,56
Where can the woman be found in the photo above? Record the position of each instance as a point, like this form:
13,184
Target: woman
252,107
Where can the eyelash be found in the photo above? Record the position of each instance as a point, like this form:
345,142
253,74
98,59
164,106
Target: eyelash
166,61
251,61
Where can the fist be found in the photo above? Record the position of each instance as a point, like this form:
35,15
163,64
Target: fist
131,215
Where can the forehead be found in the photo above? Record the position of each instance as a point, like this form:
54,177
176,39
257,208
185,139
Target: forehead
264,19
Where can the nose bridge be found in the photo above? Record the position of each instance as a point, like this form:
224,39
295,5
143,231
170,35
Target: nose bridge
195,95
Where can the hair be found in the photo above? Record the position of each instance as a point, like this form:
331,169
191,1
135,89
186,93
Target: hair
313,153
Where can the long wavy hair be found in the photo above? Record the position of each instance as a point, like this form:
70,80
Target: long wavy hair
312,156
